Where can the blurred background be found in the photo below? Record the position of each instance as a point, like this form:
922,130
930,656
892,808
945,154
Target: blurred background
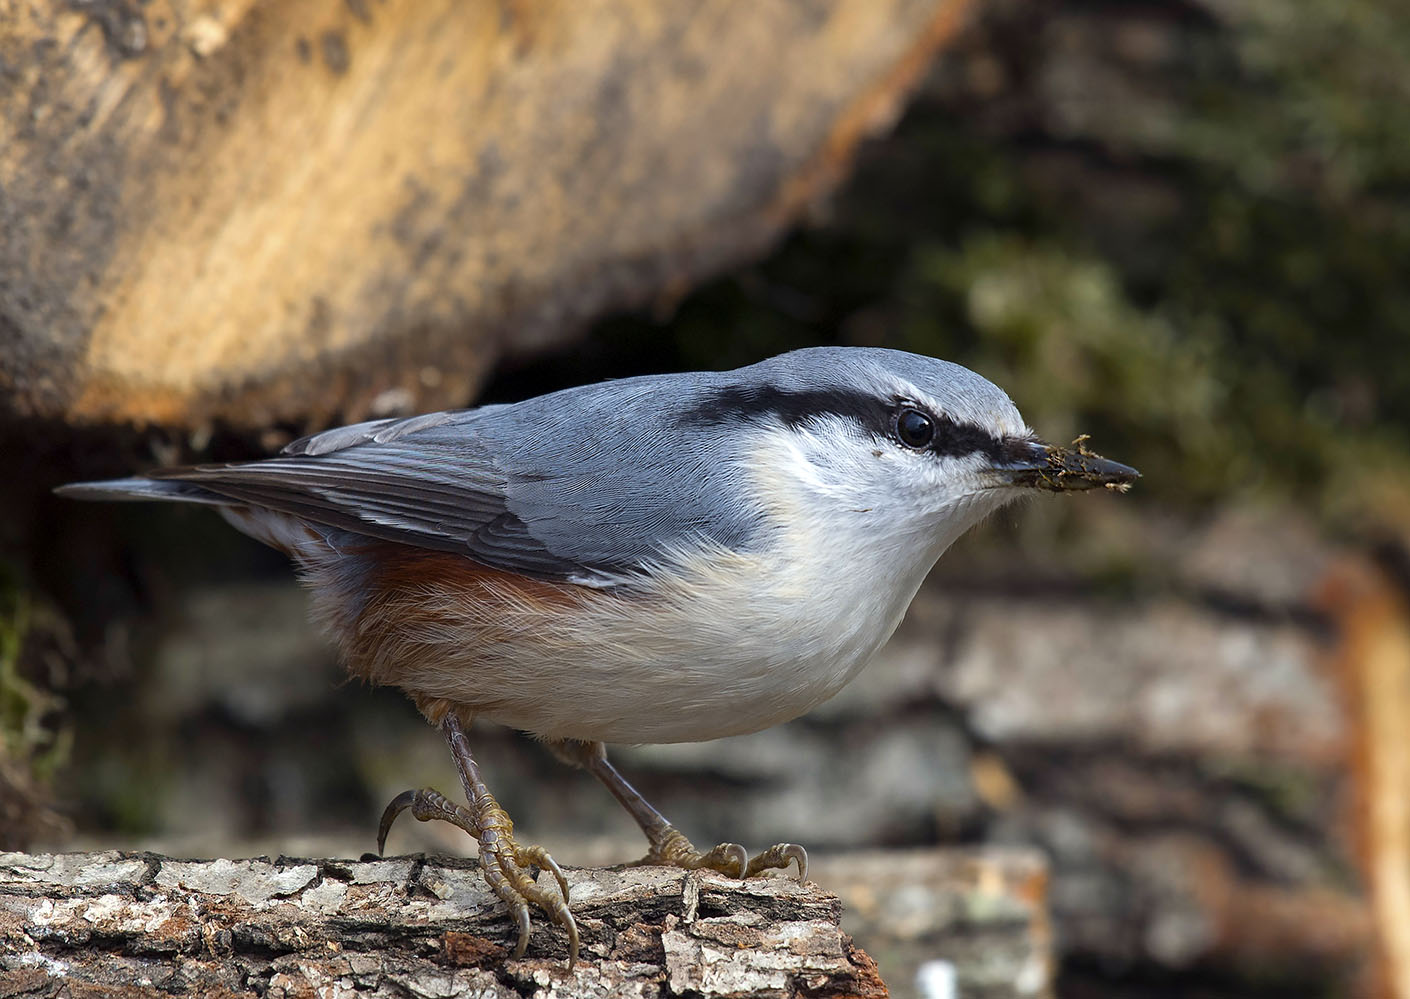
1144,745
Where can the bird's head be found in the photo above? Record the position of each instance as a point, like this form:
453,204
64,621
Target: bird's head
882,445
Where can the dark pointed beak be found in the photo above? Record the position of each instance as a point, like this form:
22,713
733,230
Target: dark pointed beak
1061,469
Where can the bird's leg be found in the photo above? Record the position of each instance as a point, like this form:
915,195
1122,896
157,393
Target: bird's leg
502,860
668,845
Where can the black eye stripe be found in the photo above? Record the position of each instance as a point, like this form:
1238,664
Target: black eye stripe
878,415
791,408
954,440
948,438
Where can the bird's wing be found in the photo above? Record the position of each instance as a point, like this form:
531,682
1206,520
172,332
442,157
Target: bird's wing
581,486
384,480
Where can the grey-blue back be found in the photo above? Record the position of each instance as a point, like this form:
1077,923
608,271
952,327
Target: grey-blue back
584,483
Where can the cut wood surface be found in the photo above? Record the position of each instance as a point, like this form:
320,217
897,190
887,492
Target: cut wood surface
136,924
255,211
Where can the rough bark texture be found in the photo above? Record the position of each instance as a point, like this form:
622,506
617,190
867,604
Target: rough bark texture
255,211
129,925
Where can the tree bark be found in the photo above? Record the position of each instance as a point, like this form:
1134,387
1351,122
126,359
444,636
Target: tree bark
255,211
137,924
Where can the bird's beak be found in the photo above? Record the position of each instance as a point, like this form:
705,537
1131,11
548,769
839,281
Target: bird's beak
1062,469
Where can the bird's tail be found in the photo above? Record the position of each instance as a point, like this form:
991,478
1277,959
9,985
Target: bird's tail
139,488
286,532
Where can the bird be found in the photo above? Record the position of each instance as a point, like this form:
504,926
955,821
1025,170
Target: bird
656,559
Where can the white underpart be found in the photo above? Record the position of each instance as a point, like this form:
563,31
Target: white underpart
274,529
713,642
278,530
722,642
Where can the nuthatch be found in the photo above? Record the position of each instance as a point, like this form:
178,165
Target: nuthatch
668,558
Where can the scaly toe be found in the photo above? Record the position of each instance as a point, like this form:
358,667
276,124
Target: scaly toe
669,847
539,857
425,805
556,908
511,885
778,857
502,860
729,859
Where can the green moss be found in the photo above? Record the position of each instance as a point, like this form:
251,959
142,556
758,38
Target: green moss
1291,794
27,738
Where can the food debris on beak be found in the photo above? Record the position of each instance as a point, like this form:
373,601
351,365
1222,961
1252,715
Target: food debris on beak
1064,469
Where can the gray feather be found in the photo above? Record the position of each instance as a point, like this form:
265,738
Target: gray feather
584,484
139,488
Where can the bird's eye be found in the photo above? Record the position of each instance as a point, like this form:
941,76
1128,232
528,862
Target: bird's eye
914,428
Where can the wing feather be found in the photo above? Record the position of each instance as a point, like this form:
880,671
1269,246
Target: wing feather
589,485
382,480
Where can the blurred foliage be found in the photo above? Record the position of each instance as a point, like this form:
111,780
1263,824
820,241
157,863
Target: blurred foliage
30,749
23,706
1180,227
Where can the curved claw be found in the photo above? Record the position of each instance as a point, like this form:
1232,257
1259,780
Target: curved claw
521,916
502,860
796,853
571,928
558,912
504,871
729,859
557,909
538,856
394,808
741,860
780,856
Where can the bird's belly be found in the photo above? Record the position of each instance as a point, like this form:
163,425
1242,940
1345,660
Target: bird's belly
715,693
678,663
657,677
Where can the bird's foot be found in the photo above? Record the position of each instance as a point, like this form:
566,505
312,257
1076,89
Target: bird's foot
503,861
670,848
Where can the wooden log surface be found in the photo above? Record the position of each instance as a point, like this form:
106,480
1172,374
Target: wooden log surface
259,210
407,924
138,924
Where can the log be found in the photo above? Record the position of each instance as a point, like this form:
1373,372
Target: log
141,924
256,211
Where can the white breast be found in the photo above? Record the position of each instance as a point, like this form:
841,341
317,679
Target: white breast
720,643
738,644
